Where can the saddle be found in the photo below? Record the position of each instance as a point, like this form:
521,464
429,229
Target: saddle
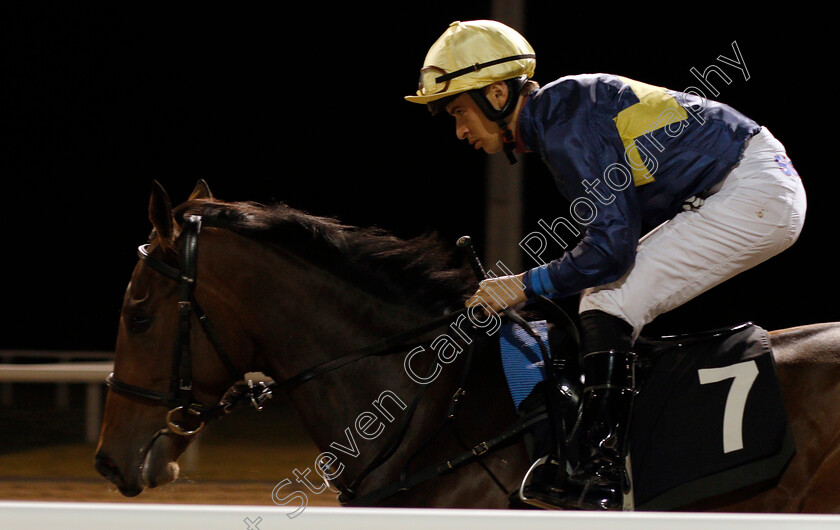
708,420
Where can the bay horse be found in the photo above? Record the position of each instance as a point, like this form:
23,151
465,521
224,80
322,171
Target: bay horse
289,294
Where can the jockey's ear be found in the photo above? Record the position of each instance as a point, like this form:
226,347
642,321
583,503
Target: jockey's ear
201,191
160,214
497,94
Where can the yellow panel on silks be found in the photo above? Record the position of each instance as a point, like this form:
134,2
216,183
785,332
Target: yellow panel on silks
656,109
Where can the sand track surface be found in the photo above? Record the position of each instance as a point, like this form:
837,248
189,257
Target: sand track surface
237,460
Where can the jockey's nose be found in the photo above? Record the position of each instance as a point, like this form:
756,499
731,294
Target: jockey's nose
461,131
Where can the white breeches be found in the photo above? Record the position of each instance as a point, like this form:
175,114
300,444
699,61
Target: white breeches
757,212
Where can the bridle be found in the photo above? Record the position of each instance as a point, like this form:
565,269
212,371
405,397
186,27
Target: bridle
179,400
181,403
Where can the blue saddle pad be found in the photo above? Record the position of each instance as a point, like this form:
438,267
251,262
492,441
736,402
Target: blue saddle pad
522,359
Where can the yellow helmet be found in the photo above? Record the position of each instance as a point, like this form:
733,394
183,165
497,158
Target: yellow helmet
471,55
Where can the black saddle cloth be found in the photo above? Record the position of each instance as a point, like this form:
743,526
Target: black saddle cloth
709,417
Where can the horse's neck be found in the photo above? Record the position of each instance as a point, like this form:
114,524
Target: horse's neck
357,409
305,316
374,407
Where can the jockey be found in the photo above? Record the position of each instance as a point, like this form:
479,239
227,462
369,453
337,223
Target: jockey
718,187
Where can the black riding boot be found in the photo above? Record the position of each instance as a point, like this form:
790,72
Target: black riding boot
601,479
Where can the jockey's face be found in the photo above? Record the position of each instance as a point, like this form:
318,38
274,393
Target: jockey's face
473,126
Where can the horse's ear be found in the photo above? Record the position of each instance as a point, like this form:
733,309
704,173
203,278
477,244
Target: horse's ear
201,191
160,214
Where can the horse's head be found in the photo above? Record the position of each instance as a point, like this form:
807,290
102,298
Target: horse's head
167,370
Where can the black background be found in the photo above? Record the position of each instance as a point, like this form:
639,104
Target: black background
304,104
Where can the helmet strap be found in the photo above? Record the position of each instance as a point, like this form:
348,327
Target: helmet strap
500,115
509,142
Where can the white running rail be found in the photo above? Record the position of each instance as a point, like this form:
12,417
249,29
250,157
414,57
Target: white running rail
124,516
92,374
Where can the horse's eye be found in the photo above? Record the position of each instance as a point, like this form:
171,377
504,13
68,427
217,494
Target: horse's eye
137,322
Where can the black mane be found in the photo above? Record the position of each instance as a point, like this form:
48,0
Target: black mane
418,269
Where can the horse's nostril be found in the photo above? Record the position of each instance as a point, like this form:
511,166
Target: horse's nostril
107,467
